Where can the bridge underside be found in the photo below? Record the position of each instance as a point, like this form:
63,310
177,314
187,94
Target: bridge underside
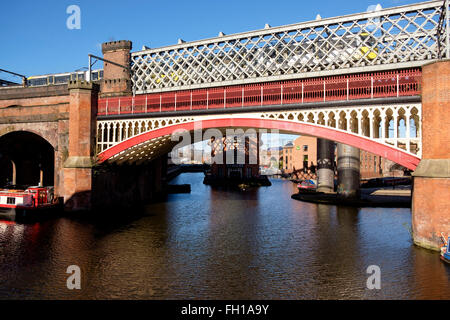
151,144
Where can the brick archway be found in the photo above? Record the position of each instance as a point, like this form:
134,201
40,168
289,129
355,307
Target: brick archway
46,131
33,157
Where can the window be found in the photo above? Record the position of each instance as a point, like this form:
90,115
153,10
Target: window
10,200
305,162
62,79
305,147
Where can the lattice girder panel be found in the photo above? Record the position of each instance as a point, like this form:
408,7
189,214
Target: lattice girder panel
443,31
392,38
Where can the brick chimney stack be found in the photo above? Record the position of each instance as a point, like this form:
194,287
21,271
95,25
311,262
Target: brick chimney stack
116,80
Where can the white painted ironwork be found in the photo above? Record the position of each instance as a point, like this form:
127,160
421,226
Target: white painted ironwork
396,125
443,31
112,132
399,37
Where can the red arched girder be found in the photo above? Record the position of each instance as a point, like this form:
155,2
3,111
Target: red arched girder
401,157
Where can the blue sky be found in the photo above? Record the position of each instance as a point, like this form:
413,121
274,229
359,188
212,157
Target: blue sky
35,39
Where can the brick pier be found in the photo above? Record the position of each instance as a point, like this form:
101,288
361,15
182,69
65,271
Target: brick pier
431,190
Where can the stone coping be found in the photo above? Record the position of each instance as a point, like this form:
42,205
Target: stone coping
433,168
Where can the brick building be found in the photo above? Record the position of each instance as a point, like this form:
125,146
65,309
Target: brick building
302,154
299,154
371,166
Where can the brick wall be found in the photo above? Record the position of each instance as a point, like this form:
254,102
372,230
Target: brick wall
431,192
43,111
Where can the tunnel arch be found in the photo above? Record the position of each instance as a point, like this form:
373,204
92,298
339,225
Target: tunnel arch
30,156
399,156
41,131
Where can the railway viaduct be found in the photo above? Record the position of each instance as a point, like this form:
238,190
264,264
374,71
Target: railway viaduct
97,130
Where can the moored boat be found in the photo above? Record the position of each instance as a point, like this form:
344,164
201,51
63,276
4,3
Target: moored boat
31,202
307,186
445,250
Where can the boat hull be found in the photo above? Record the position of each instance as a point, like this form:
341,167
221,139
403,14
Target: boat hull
7,213
445,260
445,256
24,214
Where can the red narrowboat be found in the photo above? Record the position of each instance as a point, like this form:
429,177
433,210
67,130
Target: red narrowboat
31,202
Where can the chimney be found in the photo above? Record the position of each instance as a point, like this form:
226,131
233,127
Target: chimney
116,80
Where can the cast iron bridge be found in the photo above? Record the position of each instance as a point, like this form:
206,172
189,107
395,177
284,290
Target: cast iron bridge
354,79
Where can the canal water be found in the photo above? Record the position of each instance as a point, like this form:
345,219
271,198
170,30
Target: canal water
219,244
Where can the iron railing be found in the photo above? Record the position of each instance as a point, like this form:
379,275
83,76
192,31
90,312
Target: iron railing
340,88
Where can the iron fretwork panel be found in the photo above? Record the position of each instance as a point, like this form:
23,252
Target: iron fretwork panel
398,37
443,32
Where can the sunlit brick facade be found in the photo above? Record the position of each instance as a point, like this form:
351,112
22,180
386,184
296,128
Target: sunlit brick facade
299,154
302,154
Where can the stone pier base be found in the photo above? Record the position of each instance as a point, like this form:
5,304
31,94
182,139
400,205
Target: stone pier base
325,165
125,186
431,203
348,167
78,184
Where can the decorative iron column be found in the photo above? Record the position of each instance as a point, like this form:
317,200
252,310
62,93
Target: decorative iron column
325,165
348,167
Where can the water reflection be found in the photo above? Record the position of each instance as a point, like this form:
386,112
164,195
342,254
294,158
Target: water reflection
223,244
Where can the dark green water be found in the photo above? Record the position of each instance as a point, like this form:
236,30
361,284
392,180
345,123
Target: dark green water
217,244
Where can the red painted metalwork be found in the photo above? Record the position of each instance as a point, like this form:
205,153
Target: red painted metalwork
401,157
339,88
